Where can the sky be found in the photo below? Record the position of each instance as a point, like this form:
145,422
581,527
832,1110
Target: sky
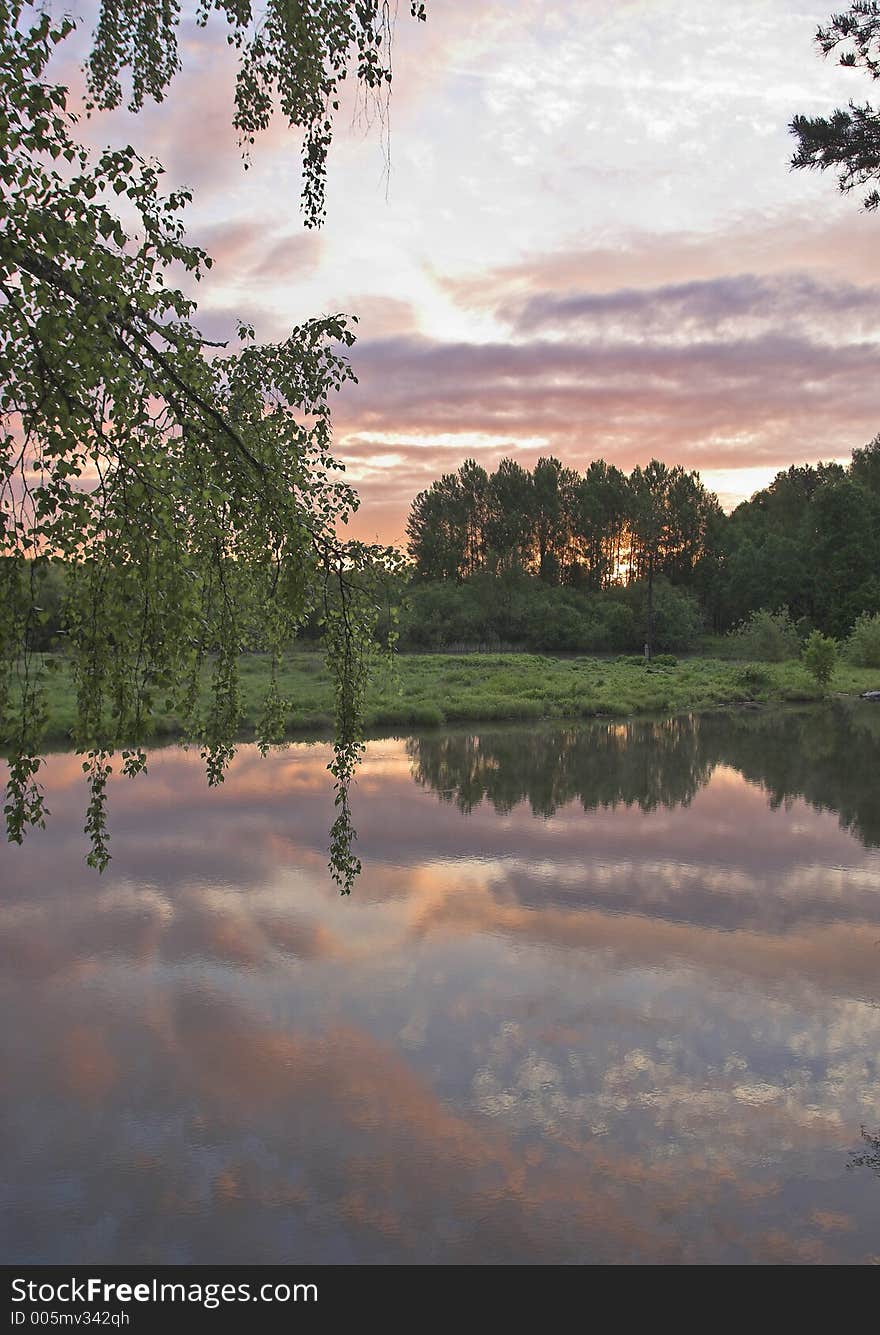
586,241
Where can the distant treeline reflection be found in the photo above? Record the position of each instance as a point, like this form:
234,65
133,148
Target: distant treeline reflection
826,756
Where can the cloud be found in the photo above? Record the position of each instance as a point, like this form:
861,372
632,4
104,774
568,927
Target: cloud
715,370
253,251
615,185
833,248
725,400
689,873
718,308
839,959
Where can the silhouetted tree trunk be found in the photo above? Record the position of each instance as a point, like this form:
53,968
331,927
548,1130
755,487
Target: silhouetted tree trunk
651,606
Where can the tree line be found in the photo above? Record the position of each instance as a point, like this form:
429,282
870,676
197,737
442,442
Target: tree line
597,529
651,554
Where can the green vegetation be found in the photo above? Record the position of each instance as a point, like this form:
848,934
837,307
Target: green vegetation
418,690
602,562
184,489
164,507
846,140
820,658
768,636
593,534
514,610
863,645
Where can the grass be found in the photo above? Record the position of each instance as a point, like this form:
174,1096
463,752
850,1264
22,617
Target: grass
433,689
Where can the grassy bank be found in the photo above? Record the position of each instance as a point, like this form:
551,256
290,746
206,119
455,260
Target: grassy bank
430,689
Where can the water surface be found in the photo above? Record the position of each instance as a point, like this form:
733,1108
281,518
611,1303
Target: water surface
603,993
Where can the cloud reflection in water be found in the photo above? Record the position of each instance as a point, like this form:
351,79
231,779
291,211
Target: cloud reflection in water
603,993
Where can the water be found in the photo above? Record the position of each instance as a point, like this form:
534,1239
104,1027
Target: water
606,993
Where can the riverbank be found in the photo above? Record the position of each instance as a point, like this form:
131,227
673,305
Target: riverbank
421,690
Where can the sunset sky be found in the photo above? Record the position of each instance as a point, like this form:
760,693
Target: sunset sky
589,242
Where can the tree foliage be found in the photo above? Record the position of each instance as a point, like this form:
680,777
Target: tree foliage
848,140
574,561
863,644
820,657
599,529
768,636
516,610
294,56
188,489
594,533
810,542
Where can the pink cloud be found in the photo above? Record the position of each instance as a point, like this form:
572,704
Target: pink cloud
837,247
716,403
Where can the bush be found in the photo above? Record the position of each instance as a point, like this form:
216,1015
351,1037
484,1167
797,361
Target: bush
516,609
678,623
614,627
820,656
665,660
443,614
559,627
754,679
863,645
769,636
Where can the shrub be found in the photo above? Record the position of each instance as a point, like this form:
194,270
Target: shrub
559,627
678,622
766,635
753,679
863,645
610,625
665,660
820,656
517,609
442,614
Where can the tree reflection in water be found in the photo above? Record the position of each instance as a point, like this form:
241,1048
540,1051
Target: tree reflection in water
827,757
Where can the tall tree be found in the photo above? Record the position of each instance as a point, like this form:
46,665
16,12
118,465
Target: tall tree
650,525
473,483
600,518
509,519
437,530
553,499
689,506
844,544
865,466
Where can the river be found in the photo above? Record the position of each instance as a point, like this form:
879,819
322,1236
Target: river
602,993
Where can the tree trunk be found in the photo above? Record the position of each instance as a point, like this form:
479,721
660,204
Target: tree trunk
651,606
